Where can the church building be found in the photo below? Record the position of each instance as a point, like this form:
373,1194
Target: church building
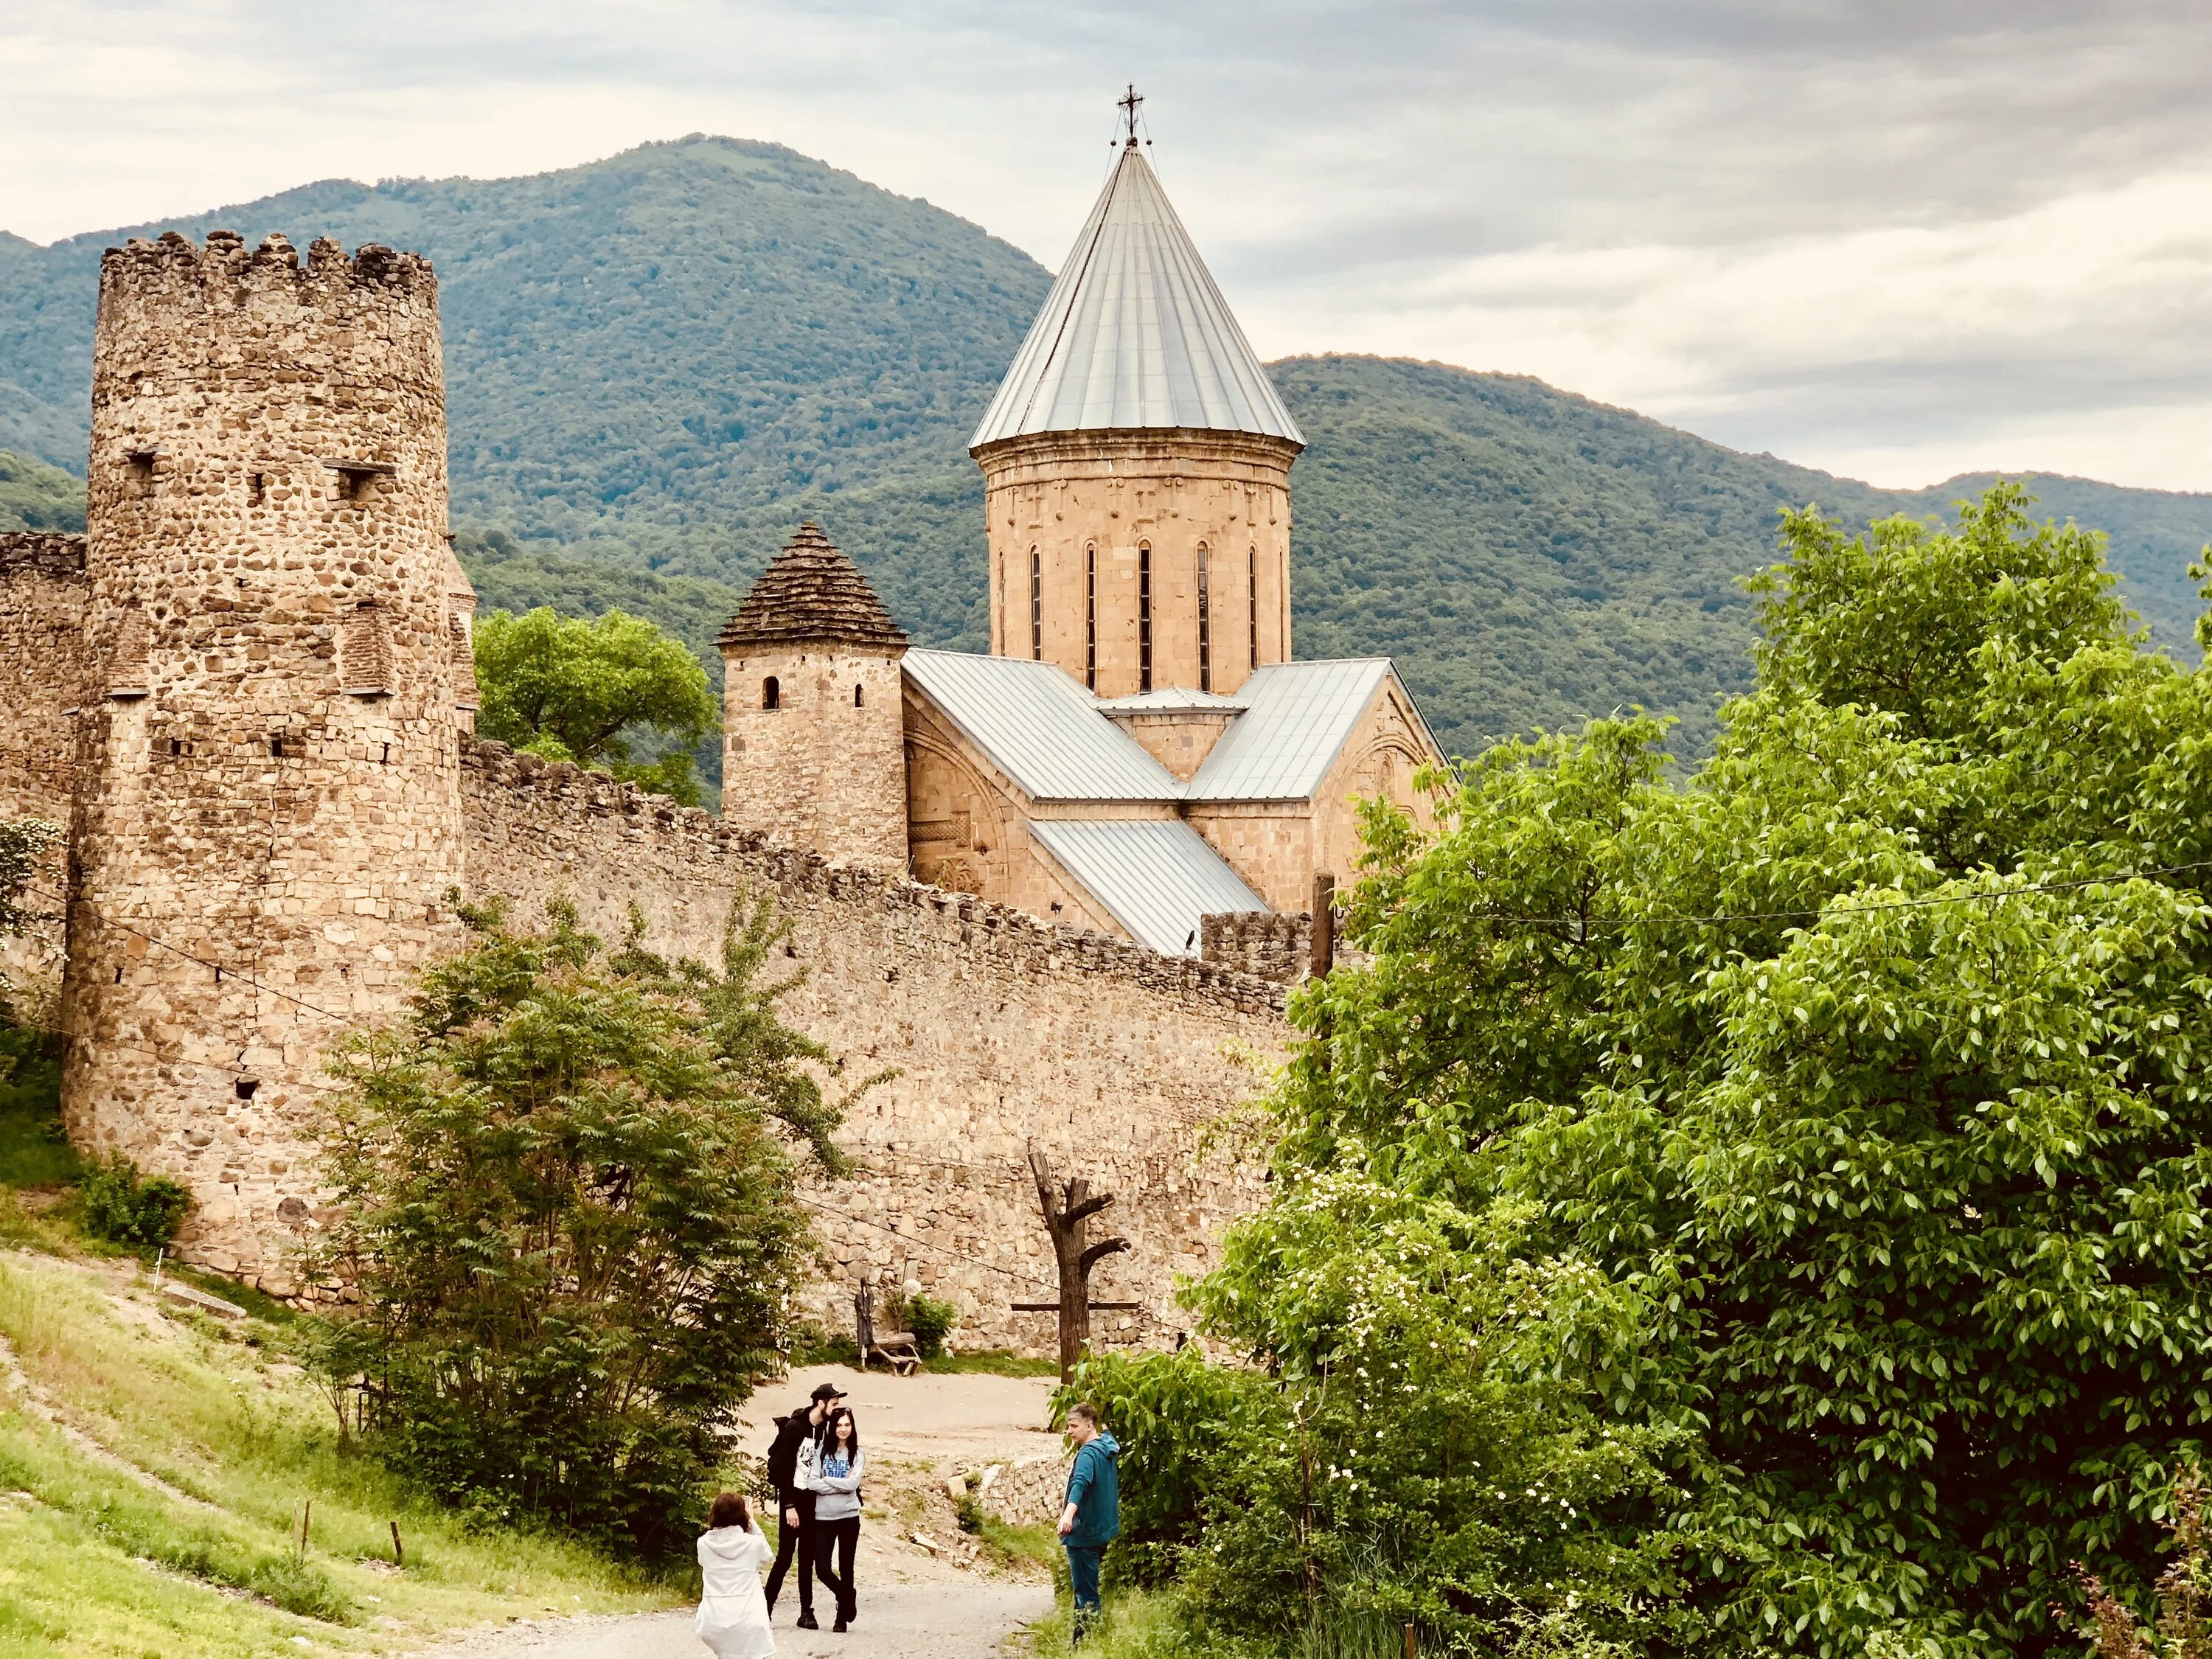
1140,749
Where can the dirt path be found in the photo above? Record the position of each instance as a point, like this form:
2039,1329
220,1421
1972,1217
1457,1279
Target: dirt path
966,1620
915,1603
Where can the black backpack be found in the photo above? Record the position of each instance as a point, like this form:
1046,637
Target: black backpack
783,1455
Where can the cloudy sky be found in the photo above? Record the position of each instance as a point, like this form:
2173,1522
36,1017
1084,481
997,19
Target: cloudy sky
1896,240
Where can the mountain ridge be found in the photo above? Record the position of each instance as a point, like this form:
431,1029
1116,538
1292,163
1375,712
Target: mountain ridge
659,362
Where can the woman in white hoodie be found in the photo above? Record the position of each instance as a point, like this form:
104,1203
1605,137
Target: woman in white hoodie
733,1613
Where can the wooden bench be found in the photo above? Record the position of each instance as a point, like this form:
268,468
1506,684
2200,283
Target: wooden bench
896,1350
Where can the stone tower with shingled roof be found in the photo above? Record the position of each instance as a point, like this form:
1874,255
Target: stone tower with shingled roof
813,741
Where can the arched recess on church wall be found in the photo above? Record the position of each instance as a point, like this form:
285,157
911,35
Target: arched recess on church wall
956,836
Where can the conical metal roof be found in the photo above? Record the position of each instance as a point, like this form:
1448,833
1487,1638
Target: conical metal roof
1135,334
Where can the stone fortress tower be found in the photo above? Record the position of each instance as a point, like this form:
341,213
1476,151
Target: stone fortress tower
813,740
267,821
1136,466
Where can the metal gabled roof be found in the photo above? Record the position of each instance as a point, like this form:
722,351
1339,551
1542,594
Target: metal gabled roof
1134,334
1297,718
1155,877
1039,728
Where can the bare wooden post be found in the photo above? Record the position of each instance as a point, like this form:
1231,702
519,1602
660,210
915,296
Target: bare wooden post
1067,1211
399,1555
1413,1650
1324,925
864,1322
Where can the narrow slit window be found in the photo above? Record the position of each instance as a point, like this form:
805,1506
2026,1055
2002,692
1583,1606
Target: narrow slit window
256,489
771,693
1037,606
1205,626
857,700
1143,617
1090,616
1252,599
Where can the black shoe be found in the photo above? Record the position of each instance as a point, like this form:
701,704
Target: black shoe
838,1629
806,1621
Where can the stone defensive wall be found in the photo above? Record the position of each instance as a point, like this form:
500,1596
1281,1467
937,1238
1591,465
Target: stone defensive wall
1003,1031
42,601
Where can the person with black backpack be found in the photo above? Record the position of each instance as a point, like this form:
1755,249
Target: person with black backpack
794,1530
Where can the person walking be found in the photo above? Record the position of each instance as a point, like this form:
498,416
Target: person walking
795,1532
1092,1517
833,1466
732,1613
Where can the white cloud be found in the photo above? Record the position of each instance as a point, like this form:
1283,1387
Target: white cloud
1894,238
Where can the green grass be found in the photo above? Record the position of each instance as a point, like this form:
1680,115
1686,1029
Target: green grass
1157,1624
1035,1542
168,1524
990,1363
33,1152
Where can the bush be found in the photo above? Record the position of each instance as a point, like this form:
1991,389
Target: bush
115,1203
34,1151
574,1232
931,1319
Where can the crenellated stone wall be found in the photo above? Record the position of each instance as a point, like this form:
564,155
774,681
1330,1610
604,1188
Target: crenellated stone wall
1267,944
1003,1029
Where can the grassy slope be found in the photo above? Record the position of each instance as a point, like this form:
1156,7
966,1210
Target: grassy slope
659,362
165,1523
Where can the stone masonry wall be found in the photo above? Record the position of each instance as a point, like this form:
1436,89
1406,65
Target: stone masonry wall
42,594
268,804
1090,505
825,767
1003,1029
1267,945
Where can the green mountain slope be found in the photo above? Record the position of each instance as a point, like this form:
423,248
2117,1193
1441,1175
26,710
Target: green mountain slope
658,363
662,360
1532,557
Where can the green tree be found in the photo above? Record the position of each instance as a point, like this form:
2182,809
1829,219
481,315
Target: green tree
1871,1063
572,1227
594,693
1416,1431
37,497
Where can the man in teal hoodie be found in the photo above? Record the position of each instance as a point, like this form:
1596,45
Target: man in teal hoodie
1092,1518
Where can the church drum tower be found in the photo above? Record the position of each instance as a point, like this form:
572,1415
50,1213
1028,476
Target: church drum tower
1136,465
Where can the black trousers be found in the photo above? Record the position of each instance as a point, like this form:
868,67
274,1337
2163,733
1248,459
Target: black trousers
793,1542
842,1540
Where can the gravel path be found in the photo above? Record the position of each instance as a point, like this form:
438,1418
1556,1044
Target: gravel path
897,1621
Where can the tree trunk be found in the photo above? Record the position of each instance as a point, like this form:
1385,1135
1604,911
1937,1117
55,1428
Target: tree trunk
1067,1211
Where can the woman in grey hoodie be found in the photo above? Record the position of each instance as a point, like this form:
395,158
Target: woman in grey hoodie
830,1468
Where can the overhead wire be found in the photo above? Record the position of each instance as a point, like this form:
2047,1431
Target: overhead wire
247,978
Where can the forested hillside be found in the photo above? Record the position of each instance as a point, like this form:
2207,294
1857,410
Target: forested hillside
660,362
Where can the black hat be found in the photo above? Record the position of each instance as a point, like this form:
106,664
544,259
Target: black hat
828,1391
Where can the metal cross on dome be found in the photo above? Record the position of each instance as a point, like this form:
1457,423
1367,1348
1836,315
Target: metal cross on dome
1129,102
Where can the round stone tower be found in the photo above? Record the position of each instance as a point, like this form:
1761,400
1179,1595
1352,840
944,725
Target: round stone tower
268,819
813,725
1136,465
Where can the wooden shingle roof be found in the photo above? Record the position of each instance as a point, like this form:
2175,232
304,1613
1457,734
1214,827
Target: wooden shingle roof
811,594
